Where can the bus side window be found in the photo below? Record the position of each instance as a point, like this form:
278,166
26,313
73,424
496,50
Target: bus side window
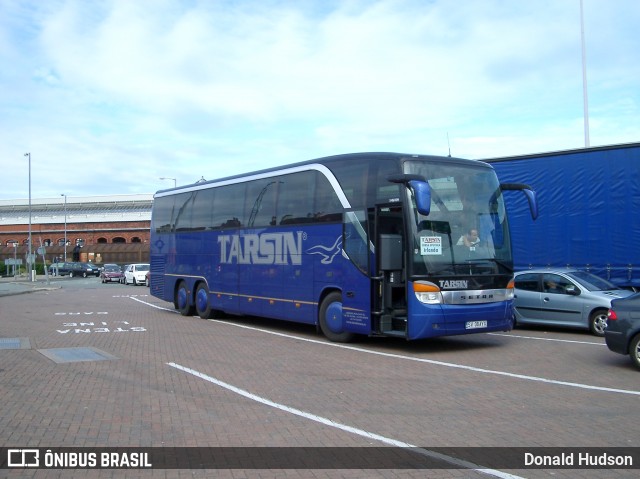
260,203
356,241
327,205
162,210
295,198
182,216
228,206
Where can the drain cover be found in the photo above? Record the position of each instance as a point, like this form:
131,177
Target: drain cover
15,343
73,355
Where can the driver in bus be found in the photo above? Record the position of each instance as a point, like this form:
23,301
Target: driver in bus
470,239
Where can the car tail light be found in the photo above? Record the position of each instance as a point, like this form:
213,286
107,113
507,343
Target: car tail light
611,315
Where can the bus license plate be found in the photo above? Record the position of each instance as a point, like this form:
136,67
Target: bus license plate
475,324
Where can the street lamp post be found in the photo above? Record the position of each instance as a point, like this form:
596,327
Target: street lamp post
167,178
29,257
65,226
585,97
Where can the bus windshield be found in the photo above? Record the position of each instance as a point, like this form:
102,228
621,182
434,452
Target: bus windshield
466,231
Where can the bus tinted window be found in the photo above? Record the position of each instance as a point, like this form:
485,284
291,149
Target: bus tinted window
162,212
352,176
385,191
260,202
228,208
183,212
364,181
327,207
202,209
295,198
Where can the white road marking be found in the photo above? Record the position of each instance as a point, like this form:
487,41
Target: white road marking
152,305
547,339
439,363
423,360
360,432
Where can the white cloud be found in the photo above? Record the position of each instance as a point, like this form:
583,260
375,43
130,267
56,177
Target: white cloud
139,90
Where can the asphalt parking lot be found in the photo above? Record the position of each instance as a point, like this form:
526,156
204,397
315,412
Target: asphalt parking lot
91,365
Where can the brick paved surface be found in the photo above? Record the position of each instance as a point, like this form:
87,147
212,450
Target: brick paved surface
139,400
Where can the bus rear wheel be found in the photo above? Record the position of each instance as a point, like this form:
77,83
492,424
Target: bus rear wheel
330,318
181,300
203,307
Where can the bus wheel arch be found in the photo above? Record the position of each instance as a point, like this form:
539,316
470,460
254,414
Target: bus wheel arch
182,299
330,317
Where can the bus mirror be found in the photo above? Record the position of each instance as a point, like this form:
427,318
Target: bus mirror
528,192
421,190
422,194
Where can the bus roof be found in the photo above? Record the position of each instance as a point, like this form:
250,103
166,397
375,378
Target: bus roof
327,160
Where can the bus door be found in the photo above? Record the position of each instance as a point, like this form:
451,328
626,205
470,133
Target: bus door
356,278
389,285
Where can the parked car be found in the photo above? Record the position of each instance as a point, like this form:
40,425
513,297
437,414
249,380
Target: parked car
74,269
123,278
147,278
111,273
623,327
83,269
58,269
564,297
136,273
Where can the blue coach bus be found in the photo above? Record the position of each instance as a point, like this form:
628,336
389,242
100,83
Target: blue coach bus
379,244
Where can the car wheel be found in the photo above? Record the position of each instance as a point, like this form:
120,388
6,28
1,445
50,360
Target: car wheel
134,282
181,300
330,318
71,274
634,351
84,275
598,322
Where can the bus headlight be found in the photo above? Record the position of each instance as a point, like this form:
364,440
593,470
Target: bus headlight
510,290
427,293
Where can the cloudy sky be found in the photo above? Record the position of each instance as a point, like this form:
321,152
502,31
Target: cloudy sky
109,96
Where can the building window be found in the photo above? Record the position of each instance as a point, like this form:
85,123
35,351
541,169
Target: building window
79,242
135,239
13,243
118,239
102,240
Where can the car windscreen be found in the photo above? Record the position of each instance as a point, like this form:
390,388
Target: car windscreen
592,282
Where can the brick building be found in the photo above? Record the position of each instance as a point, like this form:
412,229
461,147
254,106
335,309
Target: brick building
99,224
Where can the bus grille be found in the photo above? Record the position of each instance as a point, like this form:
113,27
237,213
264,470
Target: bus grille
157,275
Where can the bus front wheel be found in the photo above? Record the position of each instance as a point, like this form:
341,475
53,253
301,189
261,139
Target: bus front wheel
181,301
330,317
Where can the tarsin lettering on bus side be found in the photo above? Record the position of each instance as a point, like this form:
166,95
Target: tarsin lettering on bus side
268,248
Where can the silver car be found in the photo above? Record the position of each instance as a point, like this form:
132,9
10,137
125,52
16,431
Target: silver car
564,297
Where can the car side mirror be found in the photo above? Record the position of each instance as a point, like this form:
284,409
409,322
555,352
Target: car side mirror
572,290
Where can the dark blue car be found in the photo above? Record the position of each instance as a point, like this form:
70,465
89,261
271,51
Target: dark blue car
622,334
